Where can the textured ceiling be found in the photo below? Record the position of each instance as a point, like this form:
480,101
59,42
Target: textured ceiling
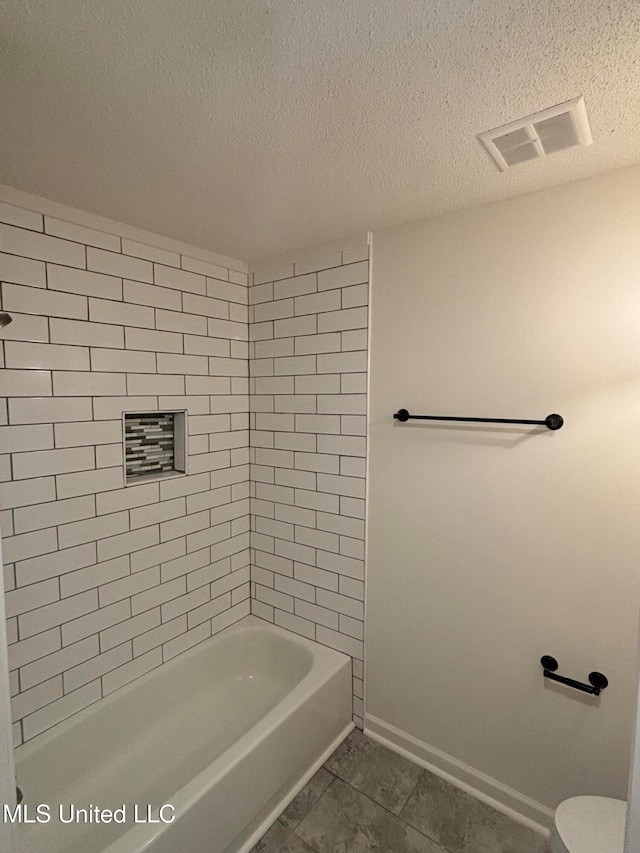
252,127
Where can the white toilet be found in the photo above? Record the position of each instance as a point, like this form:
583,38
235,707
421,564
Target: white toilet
589,825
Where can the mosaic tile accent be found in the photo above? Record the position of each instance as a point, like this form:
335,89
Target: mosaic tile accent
149,443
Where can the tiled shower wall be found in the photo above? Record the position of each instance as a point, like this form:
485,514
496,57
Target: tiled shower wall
107,582
308,369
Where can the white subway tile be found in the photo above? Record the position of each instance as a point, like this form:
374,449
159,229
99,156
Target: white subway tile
79,532
94,622
206,346
174,321
227,329
83,282
352,587
186,641
340,564
58,563
93,576
348,318
273,273
158,554
128,629
157,595
26,327
90,482
26,383
190,563
297,286
122,266
317,500
53,664
20,217
22,270
206,306
85,334
261,293
326,384
125,543
97,666
354,340
150,253
120,313
46,356
351,486
180,280
318,343
51,514
353,297
14,439
119,361
61,709
341,603
318,577
182,364
208,385
209,610
340,524
262,610
352,627
344,276
354,507
130,671
342,404
184,603
232,292
350,467
42,463
205,268
146,383
152,295
346,362
30,597
347,645
133,496
35,647
353,383
238,313
89,384
57,613
156,512
16,297
297,479
157,636
96,432
16,241
80,234
184,486
239,277
109,456
306,325
353,424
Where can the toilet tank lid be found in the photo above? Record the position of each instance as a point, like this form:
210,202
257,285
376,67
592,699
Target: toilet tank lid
591,824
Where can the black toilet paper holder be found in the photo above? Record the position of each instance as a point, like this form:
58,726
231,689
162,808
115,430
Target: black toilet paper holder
597,681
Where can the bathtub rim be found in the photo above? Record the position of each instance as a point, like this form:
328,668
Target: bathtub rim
246,623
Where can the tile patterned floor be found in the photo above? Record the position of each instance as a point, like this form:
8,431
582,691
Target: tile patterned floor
367,798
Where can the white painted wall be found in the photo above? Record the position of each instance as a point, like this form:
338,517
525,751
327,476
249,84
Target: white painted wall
490,547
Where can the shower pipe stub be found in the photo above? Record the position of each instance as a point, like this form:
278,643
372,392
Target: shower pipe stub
552,422
597,681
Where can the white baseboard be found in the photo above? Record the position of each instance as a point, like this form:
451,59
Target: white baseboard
506,800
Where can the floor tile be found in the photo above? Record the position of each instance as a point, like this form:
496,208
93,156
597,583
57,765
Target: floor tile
281,839
345,821
462,824
307,798
381,774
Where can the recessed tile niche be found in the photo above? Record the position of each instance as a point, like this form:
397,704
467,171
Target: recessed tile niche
155,445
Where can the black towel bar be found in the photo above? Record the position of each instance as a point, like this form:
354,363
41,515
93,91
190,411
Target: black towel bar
551,421
597,681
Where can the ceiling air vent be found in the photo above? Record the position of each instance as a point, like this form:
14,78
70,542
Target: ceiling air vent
531,138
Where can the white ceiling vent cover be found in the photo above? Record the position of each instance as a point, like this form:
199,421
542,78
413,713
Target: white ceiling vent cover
556,129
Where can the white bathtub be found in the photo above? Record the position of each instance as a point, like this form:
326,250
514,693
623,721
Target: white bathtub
227,733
